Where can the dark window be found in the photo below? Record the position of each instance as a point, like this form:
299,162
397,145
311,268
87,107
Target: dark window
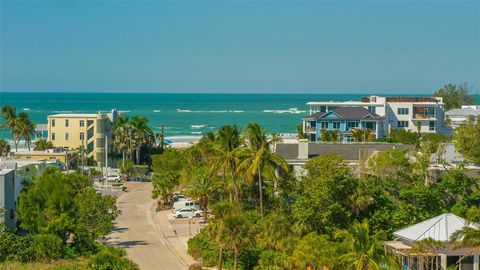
431,125
53,122
66,122
324,125
82,123
372,109
402,124
336,125
67,136
82,136
53,136
402,111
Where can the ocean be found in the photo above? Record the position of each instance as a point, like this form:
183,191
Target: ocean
182,115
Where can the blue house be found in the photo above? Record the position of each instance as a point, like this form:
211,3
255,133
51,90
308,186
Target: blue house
343,120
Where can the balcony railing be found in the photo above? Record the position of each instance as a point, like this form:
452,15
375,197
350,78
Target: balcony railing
423,116
311,129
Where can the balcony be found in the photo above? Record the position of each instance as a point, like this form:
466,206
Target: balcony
424,117
311,129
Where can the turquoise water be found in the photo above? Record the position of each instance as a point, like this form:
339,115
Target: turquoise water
181,114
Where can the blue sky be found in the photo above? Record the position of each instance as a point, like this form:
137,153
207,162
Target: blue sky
239,46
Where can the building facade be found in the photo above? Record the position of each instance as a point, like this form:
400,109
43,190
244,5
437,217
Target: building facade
12,174
417,114
90,131
343,120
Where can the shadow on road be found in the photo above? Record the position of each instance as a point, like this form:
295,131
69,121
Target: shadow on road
128,244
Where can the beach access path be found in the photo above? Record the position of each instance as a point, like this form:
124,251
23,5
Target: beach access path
144,234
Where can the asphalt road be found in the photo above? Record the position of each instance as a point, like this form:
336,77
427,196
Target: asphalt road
137,232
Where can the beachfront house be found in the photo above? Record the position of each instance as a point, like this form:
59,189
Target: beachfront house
417,114
92,131
457,116
414,253
343,120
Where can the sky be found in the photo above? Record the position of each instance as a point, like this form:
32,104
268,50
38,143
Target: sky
239,46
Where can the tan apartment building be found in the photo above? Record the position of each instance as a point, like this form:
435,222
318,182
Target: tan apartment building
92,131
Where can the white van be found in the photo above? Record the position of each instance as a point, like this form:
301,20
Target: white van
185,204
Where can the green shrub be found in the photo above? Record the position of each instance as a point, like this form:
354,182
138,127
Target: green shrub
111,258
47,247
15,248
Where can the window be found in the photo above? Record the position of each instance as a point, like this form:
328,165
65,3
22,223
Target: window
324,125
53,136
82,123
66,122
53,122
82,136
402,124
66,136
431,125
372,109
352,125
402,111
336,125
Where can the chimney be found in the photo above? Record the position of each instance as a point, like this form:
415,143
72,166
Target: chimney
303,149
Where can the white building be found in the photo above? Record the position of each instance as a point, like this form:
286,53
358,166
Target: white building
440,229
12,173
417,114
458,116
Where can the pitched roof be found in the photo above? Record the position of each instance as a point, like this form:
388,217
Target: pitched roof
463,112
347,113
439,228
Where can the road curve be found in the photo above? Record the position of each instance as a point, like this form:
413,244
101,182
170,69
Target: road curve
137,233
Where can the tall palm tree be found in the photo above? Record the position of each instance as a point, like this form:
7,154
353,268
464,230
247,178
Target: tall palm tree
261,162
121,134
43,144
203,187
215,228
143,134
4,148
238,235
9,117
469,236
25,129
363,250
227,142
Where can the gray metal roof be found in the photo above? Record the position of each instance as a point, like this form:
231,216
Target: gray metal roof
463,112
348,113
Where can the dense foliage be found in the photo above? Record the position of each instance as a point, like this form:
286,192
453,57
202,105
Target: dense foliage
455,96
333,216
63,217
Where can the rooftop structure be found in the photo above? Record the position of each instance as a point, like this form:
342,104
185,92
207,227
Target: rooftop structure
440,229
457,116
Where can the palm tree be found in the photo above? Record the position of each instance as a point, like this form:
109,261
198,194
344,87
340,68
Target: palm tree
215,228
469,236
25,129
362,250
203,186
362,135
121,134
237,233
261,160
143,134
4,148
227,142
42,145
9,117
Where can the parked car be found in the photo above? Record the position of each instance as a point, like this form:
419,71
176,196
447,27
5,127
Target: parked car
179,197
113,178
186,204
187,212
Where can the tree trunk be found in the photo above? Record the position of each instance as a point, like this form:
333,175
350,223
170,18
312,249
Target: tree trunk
220,257
123,157
260,192
235,259
205,204
138,155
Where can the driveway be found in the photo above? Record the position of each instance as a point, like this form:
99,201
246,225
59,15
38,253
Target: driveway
143,239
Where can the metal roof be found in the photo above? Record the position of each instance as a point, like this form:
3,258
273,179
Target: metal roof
347,113
439,228
463,112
